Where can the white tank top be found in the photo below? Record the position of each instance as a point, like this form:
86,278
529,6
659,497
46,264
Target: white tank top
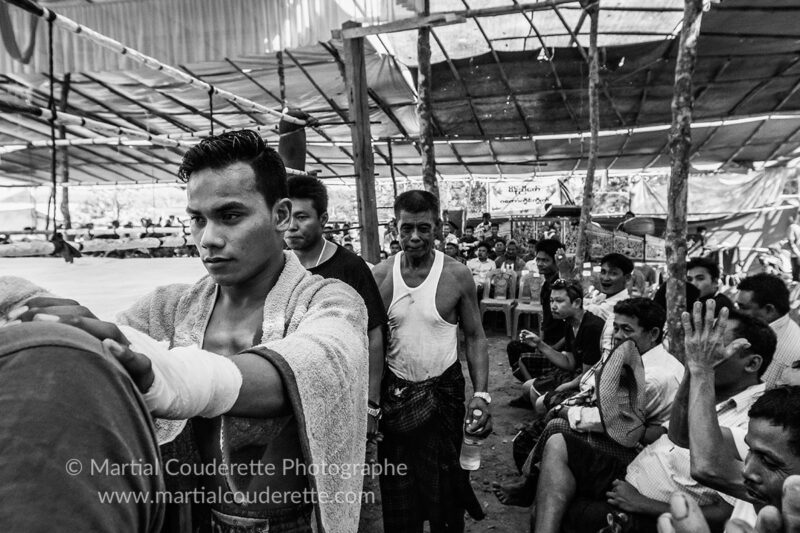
422,344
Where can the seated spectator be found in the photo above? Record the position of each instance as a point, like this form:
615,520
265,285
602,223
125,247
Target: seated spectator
766,296
498,250
480,266
394,247
468,243
451,250
530,254
509,260
636,319
615,273
447,234
549,262
493,238
484,228
703,273
584,485
581,350
717,453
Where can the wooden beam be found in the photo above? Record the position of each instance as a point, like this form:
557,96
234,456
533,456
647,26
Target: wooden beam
593,8
356,81
439,19
680,140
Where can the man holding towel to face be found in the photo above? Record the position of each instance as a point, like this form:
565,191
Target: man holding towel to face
270,361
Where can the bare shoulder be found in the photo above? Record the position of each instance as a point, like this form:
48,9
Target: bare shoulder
457,272
382,269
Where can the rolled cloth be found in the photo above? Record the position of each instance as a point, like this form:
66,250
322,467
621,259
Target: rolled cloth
15,291
74,430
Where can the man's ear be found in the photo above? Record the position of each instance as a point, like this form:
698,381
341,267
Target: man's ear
754,362
323,219
654,333
282,214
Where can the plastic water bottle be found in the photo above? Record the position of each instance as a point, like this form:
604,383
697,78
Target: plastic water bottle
471,448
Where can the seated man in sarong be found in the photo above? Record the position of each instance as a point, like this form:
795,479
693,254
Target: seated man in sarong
272,360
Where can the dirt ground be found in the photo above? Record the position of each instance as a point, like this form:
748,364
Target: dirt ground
496,462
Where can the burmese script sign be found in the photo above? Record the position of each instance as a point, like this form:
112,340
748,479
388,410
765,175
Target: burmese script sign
522,196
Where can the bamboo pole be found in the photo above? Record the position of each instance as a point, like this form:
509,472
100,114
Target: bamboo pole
593,9
680,142
424,110
66,216
150,62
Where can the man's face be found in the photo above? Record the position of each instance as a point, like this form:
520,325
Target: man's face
236,233
545,264
482,253
499,248
417,232
469,232
445,230
495,229
305,229
790,375
700,278
451,250
394,248
511,251
748,306
769,462
561,306
627,327
612,280
732,371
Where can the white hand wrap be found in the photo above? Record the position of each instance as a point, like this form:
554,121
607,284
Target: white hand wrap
188,381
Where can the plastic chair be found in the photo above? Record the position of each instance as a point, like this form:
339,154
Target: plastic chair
503,300
528,301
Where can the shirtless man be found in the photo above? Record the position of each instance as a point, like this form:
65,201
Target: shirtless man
297,343
427,295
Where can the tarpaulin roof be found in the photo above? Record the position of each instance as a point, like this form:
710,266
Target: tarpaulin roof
509,95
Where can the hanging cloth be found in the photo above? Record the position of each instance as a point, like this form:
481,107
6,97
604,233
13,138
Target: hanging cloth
10,40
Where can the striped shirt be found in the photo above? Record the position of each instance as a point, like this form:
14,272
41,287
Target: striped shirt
786,352
664,467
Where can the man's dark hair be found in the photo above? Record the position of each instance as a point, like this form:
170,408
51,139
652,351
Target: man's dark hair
649,314
417,201
704,262
470,227
767,289
619,261
701,228
486,215
781,407
308,188
484,244
240,146
549,246
761,337
573,288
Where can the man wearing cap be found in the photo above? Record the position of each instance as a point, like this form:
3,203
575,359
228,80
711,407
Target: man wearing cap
585,484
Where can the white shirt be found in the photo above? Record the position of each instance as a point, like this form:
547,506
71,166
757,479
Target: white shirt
603,306
786,352
662,375
480,268
664,467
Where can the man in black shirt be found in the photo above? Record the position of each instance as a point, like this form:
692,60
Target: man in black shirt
329,260
703,273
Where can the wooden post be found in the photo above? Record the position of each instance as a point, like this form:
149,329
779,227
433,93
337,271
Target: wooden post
356,80
62,133
592,7
424,111
680,144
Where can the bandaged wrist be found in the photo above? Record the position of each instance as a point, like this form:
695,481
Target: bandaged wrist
188,381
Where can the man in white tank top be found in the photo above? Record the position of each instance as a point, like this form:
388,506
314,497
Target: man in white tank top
427,295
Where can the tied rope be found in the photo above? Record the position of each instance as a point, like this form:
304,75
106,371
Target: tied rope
211,108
